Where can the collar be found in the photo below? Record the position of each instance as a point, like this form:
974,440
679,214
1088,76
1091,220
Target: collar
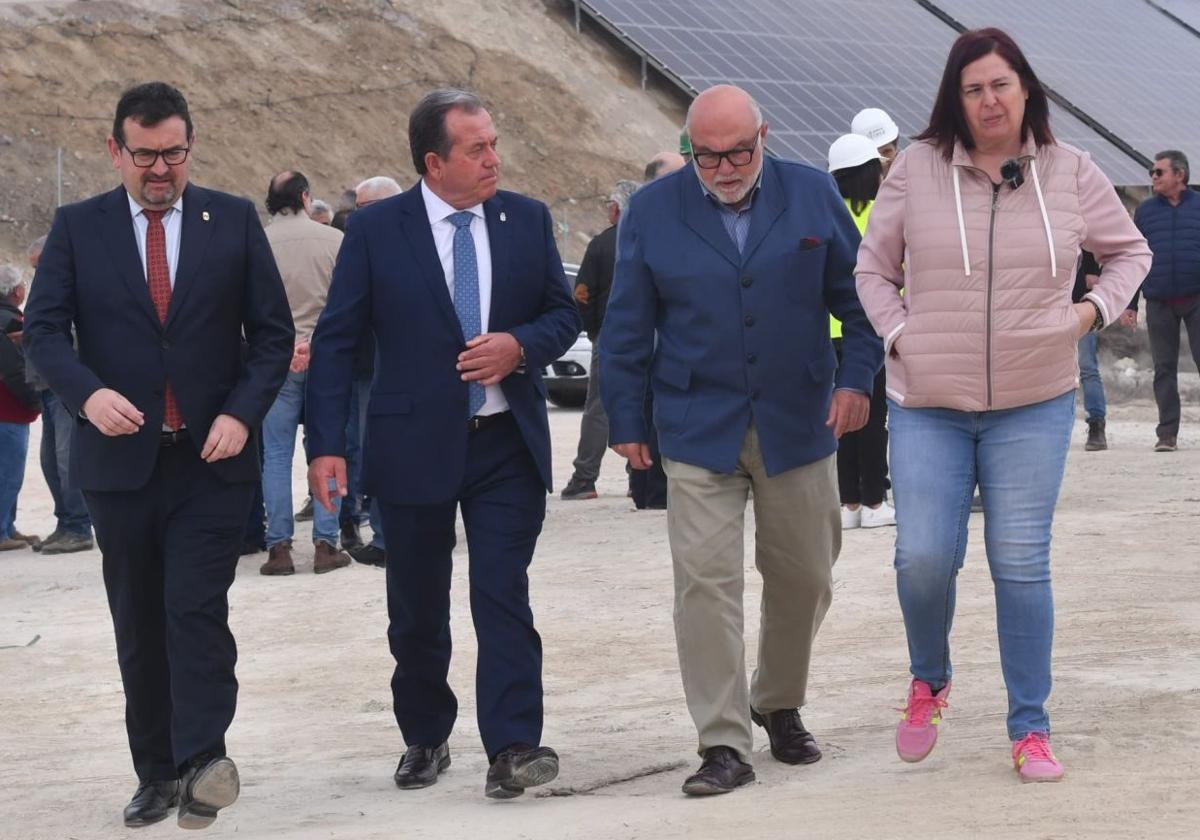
136,209
750,196
438,210
961,157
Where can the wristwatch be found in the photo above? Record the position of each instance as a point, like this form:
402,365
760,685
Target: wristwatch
1098,323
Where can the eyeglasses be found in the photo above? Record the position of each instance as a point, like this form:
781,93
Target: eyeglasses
146,158
736,157
1157,173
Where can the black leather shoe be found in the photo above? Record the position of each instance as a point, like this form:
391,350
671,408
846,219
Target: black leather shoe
350,536
517,767
720,772
369,555
209,784
791,743
152,802
419,766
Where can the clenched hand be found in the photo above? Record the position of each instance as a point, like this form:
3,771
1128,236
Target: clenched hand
226,437
112,414
489,358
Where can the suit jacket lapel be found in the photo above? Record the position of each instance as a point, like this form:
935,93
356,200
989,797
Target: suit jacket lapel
121,242
193,243
415,222
705,219
769,205
498,241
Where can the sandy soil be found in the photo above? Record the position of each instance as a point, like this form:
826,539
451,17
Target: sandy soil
317,744
324,86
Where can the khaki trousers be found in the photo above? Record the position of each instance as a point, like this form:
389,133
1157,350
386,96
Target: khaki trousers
797,539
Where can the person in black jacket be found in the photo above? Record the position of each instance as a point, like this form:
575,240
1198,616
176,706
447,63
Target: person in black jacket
19,404
1089,367
592,286
161,280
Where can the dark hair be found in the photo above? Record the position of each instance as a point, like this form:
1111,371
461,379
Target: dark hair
427,123
859,184
340,218
652,169
286,192
947,122
148,105
1179,161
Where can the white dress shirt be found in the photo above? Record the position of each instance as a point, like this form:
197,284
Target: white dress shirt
443,239
172,226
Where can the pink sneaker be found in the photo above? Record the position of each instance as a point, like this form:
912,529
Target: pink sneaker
1034,761
917,731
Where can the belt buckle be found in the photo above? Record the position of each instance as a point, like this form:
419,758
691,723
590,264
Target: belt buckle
473,423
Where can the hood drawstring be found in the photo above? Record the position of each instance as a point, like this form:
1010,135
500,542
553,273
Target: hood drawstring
1037,187
962,227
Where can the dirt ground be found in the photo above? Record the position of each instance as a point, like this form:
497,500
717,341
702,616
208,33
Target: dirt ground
316,742
324,86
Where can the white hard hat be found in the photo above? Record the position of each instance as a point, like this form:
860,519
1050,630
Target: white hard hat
851,150
875,125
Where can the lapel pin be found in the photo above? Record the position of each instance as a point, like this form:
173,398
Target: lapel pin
503,218
204,215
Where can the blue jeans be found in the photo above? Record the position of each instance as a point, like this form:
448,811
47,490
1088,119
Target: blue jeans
279,445
1017,458
14,446
57,427
1089,378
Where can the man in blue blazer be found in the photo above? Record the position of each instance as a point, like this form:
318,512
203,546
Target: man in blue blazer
465,293
726,273
161,281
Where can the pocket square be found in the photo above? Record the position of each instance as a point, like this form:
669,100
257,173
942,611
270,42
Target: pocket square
810,242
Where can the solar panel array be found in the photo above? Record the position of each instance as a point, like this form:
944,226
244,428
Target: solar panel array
813,64
1186,11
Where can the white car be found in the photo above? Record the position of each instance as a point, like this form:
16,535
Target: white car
567,377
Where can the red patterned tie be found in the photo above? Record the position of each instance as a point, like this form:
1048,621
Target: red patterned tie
158,275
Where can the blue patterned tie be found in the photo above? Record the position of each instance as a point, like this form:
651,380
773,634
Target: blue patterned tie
466,295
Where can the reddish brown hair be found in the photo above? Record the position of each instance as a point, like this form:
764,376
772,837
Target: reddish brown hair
948,123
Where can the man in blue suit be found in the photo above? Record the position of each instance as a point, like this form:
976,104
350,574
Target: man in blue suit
465,293
735,263
161,281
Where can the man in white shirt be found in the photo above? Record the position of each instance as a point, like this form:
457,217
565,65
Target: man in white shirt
466,295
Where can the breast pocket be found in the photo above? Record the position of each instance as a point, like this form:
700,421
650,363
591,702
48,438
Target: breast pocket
806,273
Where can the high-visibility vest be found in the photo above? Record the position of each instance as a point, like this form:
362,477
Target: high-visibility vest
860,219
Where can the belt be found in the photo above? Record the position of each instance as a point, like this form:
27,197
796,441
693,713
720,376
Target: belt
482,421
172,438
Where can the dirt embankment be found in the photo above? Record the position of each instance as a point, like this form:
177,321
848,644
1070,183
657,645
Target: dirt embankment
320,85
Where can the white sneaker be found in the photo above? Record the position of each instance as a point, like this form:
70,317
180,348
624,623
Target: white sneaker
878,517
851,518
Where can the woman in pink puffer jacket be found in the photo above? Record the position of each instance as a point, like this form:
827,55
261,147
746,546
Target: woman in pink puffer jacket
980,223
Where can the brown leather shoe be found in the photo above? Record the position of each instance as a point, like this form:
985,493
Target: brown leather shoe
327,558
279,560
791,743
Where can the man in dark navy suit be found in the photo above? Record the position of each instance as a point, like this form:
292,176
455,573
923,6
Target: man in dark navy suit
726,273
161,281
465,293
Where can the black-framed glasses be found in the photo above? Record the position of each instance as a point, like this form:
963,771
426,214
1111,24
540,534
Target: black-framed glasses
736,157
1155,172
146,158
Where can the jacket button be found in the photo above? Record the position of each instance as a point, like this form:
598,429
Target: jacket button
751,359
749,321
754,394
747,282
166,345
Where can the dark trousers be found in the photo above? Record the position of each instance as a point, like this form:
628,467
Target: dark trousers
1162,322
170,551
649,487
256,523
593,426
862,455
503,504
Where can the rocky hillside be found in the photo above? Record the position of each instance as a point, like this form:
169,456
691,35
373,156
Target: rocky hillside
320,85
